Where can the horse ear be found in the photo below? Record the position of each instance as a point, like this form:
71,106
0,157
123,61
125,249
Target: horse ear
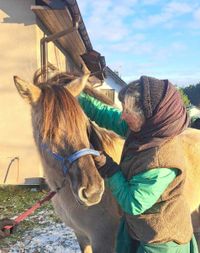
76,86
28,91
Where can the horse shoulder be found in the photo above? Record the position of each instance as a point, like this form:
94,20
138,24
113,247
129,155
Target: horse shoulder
184,147
191,145
190,140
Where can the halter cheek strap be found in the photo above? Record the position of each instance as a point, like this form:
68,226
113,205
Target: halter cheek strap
75,156
82,152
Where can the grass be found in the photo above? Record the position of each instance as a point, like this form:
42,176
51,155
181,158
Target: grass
16,200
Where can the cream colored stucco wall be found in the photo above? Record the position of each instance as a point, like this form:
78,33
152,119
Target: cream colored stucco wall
19,55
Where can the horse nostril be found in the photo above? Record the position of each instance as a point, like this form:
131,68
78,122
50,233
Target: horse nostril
82,194
92,196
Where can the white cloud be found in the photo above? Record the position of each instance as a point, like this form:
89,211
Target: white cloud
133,48
151,20
195,24
116,30
165,54
106,19
197,15
150,2
136,44
178,46
178,8
159,18
107,30
184,79
177,78
168,13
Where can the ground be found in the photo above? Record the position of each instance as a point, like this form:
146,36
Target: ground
41,232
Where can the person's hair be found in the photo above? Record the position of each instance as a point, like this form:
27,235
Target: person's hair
130,96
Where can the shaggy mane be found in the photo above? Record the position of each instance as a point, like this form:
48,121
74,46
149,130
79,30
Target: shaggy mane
63,114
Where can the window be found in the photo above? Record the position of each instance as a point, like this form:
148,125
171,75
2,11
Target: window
110,93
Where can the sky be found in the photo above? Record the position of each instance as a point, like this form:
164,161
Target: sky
146,37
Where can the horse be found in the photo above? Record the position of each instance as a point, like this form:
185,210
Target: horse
60,126
82,200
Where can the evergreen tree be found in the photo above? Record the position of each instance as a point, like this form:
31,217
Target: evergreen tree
193,93
185,98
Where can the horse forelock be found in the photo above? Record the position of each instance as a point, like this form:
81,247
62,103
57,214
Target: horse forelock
62,116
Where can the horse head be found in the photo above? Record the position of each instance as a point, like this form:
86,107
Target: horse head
60,124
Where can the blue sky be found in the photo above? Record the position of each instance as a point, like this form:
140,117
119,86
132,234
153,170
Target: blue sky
146,37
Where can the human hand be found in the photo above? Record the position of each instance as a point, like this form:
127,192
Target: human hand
105,165
5,222
100,160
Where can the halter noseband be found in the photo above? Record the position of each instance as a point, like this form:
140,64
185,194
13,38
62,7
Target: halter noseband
75,156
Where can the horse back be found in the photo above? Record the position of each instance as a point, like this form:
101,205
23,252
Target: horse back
190,139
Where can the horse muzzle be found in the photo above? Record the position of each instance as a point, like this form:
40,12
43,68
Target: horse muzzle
92,195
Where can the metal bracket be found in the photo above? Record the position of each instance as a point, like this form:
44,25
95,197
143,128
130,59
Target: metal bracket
44,48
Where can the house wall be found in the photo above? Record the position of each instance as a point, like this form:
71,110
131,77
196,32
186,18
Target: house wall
19,55
110,83
194,112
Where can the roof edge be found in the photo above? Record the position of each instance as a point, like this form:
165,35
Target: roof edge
76,16
113,74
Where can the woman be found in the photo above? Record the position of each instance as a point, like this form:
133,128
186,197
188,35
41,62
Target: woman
148,183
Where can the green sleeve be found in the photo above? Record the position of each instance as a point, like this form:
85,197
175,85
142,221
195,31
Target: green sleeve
104,115
142,191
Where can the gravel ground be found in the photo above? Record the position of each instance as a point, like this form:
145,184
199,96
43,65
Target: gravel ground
53,238
49,236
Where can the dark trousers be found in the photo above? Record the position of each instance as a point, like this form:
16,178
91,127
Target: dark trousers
134,246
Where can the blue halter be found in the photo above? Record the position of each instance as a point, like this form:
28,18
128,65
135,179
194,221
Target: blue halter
75,156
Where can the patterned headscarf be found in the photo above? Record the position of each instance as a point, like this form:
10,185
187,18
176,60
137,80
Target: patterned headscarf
164,112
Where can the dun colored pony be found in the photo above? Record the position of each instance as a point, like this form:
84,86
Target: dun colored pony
82,201
59,123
